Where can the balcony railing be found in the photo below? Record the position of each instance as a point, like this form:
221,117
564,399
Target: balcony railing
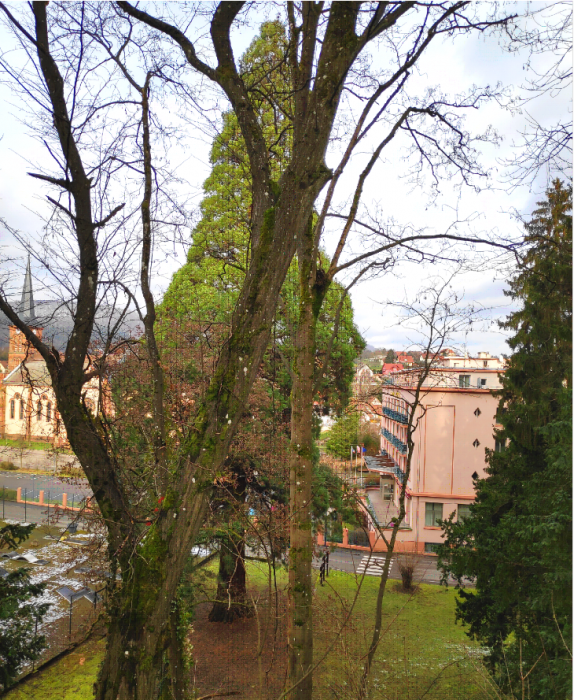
394,440
399,416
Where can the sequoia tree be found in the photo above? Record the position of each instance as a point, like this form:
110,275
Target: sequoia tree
517,542
207,285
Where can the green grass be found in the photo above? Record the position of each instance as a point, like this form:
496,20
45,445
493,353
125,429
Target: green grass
32,445
423,653
69,678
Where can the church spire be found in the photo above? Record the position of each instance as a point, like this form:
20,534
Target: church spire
27,310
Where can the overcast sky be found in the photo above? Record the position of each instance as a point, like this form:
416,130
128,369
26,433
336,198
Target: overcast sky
453,66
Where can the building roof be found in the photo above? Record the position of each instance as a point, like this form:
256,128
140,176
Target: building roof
27,311
34,372
389,367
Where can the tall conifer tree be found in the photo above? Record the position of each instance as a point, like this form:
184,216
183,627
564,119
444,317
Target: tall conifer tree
517,542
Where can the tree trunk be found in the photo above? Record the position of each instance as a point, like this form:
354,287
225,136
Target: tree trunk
300,629
232,602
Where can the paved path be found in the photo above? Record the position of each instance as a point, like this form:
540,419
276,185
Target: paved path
359,562
36,459
30,514
33,483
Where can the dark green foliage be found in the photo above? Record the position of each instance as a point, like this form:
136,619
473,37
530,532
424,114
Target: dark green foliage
18,615
517,541
329,496
390,357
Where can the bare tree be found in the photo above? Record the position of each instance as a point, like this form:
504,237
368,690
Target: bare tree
545,35
438,316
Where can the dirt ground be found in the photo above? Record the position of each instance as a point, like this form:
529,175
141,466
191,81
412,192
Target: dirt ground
230,662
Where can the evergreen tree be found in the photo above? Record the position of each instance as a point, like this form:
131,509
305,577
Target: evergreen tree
390,357
517,542
343,435
204,291
19,643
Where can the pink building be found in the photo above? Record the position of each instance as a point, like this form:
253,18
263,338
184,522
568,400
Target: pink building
455,425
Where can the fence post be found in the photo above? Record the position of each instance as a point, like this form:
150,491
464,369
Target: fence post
35,635
70,617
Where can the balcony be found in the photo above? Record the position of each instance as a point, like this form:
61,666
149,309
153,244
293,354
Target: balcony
394,440
385,465
398,416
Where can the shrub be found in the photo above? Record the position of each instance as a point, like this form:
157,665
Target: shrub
6,466
406,564
7,494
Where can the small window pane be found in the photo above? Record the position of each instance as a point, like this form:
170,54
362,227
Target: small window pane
463,511
433,513
12,408
21,410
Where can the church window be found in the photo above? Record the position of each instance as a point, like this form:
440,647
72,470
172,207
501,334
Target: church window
12,408
49,411
39,411
21,409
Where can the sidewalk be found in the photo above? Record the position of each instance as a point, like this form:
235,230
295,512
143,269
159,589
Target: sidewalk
384,510
40,460
31,514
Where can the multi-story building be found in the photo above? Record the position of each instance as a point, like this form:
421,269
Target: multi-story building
454,424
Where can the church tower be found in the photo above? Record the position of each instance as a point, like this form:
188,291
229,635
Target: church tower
19,348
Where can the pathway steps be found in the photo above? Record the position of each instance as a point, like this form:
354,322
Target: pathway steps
372,566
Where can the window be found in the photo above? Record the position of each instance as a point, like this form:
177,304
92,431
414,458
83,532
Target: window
21,409
433,513
464,381
49,411
499,445
430,547
463,511
12,408
485,363
39,410
388,489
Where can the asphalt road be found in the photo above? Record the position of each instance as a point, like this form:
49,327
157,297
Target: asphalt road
30,514
359,562
33,483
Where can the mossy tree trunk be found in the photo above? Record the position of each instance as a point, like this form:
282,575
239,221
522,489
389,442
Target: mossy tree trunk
151,558
300,627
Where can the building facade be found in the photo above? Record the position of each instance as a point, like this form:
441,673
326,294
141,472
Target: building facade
454,425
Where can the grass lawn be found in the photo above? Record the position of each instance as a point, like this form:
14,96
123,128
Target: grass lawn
69,678
32,445
422,654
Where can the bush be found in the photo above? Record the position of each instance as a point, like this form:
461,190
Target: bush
406,564
8,466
